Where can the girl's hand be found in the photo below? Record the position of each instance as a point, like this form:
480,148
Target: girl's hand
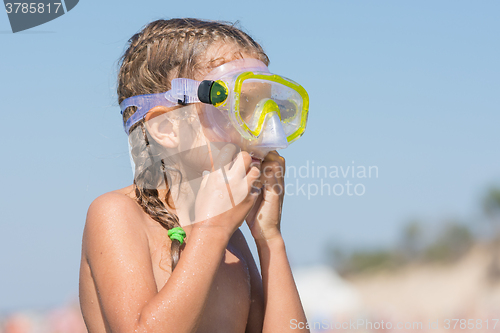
224,198
265,217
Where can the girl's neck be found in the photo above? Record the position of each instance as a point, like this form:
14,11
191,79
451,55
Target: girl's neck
182,198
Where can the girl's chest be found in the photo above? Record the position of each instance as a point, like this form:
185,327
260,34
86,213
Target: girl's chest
229,300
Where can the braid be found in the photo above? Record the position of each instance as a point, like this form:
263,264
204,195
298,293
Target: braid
162,51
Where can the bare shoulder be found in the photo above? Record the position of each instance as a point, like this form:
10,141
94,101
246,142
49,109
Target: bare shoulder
110,217
111,201
239,241
116,261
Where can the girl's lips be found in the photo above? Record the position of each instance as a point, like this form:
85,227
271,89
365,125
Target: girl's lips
256,162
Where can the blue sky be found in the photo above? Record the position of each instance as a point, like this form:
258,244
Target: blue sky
409,87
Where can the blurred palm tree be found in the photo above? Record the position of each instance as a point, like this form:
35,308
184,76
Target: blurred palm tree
412,239
451,245
491,204
491,207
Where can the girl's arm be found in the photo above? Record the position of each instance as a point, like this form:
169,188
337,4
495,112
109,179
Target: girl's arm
116,248
283,309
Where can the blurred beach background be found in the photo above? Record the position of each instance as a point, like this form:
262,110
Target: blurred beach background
392,208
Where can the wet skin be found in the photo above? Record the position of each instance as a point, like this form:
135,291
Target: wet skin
235,295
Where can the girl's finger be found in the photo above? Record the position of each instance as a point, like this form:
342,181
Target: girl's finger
225,156
269,179
273,156
241,164
204,179
253,177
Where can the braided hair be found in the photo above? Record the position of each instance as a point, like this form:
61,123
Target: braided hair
162,51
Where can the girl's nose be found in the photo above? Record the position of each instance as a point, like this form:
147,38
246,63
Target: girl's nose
273,135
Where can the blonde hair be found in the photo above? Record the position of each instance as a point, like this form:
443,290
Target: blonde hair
162,51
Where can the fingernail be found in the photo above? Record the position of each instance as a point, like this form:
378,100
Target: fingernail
254,190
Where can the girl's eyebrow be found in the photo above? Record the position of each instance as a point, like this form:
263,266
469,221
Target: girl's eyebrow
217,62
222,60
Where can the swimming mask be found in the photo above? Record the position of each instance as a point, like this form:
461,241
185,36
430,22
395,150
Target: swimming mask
267,111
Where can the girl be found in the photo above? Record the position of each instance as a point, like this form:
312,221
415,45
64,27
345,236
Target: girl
166,254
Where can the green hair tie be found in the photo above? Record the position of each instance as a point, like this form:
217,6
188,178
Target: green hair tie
177,233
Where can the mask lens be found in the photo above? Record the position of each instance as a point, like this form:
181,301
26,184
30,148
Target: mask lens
252,92
255,92
288,109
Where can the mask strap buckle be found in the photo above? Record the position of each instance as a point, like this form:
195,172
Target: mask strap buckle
183,101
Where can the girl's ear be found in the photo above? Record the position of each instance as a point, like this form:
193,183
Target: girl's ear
161,128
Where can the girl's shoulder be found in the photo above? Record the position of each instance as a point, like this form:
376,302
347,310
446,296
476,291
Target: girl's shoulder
115,203
112,216
115,257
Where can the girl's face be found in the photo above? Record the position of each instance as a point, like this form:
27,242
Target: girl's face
198,131
214,132
245,109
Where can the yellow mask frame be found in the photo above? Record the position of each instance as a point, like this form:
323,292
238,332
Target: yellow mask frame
269,107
